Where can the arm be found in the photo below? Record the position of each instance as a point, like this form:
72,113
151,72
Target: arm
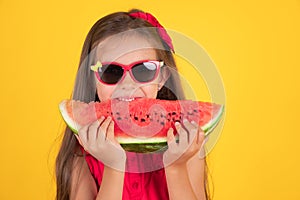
184,169
179,185
187,181
112,184
84,187
196,170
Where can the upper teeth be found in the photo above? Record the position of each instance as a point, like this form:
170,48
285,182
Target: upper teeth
126,99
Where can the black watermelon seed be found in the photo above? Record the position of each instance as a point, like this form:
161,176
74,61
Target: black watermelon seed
117,113
174,113
143,120
162,123
119,118
136,118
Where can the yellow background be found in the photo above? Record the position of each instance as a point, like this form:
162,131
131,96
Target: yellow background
255,45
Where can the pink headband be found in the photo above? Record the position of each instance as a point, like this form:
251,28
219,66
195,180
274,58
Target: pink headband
153,21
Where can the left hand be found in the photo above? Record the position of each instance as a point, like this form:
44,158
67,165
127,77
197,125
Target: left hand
191,137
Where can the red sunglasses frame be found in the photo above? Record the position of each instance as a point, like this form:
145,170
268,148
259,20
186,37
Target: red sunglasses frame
126,68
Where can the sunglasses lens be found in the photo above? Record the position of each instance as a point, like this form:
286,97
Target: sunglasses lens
144,72
110,74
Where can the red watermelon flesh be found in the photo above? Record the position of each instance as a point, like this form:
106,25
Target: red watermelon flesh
142,121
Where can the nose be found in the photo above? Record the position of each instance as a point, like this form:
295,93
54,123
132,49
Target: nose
127,83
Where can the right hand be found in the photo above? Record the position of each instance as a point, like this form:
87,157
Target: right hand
98,139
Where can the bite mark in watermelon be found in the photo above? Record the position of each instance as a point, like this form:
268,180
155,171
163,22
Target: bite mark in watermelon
141,125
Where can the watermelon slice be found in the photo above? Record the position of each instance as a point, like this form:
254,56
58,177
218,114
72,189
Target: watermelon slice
141,125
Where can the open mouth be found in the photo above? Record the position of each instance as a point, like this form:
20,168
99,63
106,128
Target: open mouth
127,98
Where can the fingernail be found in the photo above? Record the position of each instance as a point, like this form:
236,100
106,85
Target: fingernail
169,133
193,122
177,123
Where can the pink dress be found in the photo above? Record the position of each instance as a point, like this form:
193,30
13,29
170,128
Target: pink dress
144,177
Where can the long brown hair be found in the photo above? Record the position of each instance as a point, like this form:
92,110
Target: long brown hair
85,89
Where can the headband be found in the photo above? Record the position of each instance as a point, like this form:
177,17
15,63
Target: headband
154,22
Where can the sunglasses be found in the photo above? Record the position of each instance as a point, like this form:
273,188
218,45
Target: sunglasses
141,72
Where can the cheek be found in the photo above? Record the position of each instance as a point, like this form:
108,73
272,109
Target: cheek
150,91
104,92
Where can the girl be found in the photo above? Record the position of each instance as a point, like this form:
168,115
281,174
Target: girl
93,165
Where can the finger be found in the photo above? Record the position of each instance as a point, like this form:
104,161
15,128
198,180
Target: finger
192,129
110,132
100,136
199,132
194,124
172,148
183,136
171,140
200,135
193,136
105,123
82,133
189,125
93,131
101,119
78,139
202,141
202,152
102,131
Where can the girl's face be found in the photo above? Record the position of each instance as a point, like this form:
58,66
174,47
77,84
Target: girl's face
127,51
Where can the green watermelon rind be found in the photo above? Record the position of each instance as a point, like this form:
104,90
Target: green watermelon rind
69,121
210,126
142,144
146,148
